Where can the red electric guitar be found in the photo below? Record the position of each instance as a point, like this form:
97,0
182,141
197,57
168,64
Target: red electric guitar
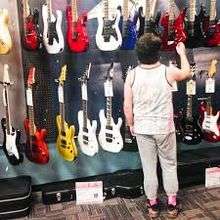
77,37
31,38
36,148
173,29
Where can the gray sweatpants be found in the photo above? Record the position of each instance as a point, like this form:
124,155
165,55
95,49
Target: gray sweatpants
163,147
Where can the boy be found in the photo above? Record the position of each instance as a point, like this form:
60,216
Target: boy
149,113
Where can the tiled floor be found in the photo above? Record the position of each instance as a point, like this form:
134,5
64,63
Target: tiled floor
197,203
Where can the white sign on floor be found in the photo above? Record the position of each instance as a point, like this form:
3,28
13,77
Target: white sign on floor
212,177
89,192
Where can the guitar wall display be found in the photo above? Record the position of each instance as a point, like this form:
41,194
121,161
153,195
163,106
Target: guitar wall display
36,148
77,37
52,32
11,142
129,32
108,35
110,137
65,139
31,37
87,132
5,37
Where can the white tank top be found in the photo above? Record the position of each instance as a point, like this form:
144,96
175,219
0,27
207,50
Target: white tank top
152,100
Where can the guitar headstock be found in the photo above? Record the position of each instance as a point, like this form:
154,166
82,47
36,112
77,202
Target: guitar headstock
212,68
110,72
193,70
63,73
31,76
6,79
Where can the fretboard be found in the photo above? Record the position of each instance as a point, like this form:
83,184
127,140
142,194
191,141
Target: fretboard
108,110
49,4
85,113
105,2
125,10
209,105
62,114
192,10
74,11
189,107
213,9
31,120
147,10
7,110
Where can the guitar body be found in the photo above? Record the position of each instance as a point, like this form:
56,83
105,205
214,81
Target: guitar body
10,145
36,147
31,39
77,37
110,137
214,39
5,37
65,141
169,41
87,137
108,36
130,142
178,126
52,32
129,34
191,132
210,136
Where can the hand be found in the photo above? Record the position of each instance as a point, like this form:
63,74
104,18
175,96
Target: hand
181,49
132,130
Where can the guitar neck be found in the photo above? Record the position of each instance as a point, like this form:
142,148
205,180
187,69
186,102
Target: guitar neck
7,108
209,106
74,10
189,107
192,10
62,114
147,10
125,10
85,113
26,12
31,120
49,4
106,15
108,110
212,12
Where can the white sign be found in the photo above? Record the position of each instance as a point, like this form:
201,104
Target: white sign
210,85
108,89
89,192
29,97
191,87
60,94
212,177
174,87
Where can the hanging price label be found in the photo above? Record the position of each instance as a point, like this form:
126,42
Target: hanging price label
60,94
84,92
210,85
29,97
212,177
108,89
191,87
174,87
89,192
4,98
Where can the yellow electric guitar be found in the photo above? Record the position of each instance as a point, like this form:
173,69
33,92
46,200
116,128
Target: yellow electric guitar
65,141
5,38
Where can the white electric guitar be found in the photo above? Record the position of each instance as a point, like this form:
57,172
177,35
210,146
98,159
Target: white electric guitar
11,136
110,137
52,33
87,131
108,36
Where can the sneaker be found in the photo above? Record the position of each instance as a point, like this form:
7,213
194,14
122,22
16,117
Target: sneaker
172,210
153,210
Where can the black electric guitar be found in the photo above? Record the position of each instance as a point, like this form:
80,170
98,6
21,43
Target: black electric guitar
11,136
191,131
130,142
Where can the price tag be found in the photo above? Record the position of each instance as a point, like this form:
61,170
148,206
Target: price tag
84,92
29,97
89,192
210,85
174,87
4,98
108,89
212,177
60,94
191,87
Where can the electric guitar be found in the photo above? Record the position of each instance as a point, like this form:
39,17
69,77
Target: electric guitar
87,131
36,148
178,118
110,137
65,140
173,29
129,32
191,131
5,37
213,32
108,36
209,121
77,37
31,38
52,32
11,136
